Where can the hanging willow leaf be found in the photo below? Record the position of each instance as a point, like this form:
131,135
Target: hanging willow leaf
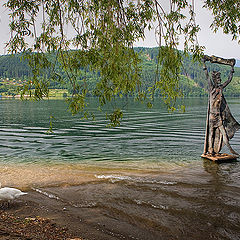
63,40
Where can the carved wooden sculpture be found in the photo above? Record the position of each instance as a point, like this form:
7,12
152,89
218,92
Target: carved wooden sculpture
221,125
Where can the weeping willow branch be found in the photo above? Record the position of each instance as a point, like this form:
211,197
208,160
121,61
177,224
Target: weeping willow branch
101,35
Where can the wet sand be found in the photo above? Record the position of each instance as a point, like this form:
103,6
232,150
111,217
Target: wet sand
83,222
193,203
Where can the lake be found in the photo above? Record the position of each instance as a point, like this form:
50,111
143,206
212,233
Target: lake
147,173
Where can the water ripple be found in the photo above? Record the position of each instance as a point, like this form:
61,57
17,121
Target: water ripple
152,133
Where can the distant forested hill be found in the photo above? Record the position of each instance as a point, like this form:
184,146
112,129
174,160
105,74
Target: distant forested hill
192,82
13,67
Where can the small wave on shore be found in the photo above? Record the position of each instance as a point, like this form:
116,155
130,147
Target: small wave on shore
117,178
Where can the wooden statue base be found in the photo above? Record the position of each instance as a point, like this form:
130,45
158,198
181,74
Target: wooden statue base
222,157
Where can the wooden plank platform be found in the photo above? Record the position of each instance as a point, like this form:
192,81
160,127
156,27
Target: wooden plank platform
223,157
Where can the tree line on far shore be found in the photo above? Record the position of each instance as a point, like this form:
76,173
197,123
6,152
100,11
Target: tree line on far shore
14,71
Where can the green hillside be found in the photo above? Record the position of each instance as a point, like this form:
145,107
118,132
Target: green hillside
193,80
14,72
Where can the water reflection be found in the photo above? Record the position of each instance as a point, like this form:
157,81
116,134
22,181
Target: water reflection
143,135
221,172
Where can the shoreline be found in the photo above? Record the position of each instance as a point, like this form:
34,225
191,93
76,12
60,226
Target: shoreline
57,207
175,205
76,222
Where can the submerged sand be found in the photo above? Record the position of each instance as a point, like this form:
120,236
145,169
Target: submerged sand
191,201
55,218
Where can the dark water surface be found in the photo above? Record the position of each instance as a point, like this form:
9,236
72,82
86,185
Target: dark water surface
146,175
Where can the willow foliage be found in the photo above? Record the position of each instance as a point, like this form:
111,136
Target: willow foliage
98,36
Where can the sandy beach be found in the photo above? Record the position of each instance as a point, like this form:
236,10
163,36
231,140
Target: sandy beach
56,206
193,202
67,221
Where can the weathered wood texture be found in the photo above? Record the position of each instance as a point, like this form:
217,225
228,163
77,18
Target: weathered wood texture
224,157
214,59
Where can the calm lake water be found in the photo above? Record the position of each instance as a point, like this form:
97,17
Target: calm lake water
147,173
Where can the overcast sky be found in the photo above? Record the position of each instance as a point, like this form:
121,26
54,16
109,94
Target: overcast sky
217,44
